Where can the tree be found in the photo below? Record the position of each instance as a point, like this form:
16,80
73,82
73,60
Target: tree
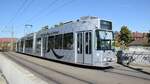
125,35
117,39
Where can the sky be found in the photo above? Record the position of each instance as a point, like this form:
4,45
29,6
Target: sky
15,14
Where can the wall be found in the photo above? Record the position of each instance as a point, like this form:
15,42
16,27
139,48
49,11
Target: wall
135,57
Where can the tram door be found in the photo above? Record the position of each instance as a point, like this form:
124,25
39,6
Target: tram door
84,47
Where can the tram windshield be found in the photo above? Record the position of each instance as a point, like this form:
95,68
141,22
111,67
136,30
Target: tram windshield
104,39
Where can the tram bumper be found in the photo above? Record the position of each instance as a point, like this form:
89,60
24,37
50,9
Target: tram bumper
104,59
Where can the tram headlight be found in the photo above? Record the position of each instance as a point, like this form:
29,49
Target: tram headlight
109,59
105,59
98,54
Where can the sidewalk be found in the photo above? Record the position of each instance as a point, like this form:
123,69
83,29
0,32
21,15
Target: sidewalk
145,69
2,80
141,68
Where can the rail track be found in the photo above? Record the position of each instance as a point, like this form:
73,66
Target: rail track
70,77
54,75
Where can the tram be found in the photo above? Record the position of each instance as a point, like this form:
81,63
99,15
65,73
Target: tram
86,41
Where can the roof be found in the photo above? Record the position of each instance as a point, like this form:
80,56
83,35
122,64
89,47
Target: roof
7,39
137,35
138,43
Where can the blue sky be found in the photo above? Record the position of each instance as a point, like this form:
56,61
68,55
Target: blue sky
133,13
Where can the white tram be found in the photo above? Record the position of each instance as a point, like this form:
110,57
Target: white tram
86,41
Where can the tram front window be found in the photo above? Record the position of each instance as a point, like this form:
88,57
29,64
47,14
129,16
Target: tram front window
104,39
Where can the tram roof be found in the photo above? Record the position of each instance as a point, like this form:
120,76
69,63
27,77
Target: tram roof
82,24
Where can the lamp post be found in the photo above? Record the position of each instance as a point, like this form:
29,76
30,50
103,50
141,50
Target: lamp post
26,27
12,35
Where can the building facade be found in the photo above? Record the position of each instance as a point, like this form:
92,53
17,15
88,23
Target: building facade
7,44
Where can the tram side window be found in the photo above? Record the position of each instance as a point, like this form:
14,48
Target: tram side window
44,43
17,45
88,42
39,43
29,43
21,44
51,42
58,41
79,43
68,41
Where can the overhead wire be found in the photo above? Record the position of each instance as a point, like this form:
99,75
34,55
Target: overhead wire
23,7
17,12
37,15
61,6
42,10
27,6
56,9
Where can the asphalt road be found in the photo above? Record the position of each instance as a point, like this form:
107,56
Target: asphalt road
57,73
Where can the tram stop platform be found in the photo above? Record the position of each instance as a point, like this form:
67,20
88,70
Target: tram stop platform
13,73
2,79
